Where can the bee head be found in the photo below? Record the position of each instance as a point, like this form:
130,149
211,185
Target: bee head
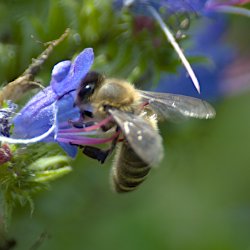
87,87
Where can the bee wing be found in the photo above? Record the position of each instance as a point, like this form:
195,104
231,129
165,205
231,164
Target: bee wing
141,136
175,107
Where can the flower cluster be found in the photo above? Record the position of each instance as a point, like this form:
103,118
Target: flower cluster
45,117
25,168
209,72
171,6
50,114
49,110
204,36
6,114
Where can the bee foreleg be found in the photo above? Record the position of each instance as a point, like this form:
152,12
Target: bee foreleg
80,122
87,113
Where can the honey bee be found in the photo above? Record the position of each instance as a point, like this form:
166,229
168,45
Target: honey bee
135,113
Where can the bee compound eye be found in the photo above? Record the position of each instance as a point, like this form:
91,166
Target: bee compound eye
87,87
86,91
91,78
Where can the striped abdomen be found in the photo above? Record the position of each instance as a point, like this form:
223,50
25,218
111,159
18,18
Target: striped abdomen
128,170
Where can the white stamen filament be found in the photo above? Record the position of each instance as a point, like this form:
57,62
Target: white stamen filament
176,46
28,141
233,10
34,139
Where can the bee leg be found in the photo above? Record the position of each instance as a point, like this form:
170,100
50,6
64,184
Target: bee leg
96,153
76,124
99,154
87,113
113,144
80,123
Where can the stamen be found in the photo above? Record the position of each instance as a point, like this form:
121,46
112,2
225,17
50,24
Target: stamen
176,46
144,104
28,141
34,139
87,129
76,132
86,140
233,10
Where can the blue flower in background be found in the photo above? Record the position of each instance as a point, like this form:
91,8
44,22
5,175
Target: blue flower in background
169,6
208,43
232,7
174,6
45,117
48,110
214,3
159,11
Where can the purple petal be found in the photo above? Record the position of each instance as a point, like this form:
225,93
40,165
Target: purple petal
94,127
79,68
169,6
51,108
69,149
82,64
60,72
37,115
66,111
81,140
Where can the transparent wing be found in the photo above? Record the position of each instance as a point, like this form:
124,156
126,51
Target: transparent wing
175,107
141,136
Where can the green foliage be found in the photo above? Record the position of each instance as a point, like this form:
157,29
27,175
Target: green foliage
28,171
197,199
124,46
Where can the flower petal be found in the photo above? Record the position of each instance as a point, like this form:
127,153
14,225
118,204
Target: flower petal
60,72
66,112
169,6
37,115
51,109
79,68
71,150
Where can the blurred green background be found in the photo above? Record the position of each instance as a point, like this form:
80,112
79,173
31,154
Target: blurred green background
199,196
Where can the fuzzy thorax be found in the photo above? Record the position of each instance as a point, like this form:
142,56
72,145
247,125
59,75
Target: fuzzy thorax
116,94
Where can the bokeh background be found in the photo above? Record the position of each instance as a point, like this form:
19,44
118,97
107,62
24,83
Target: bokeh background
199,196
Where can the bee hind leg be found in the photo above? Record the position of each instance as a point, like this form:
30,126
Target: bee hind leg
96,153
100,154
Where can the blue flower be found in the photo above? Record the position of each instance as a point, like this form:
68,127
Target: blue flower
214,3
158,10
45,118
52,107
162,10
231,6
209,34
169,6
208,43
